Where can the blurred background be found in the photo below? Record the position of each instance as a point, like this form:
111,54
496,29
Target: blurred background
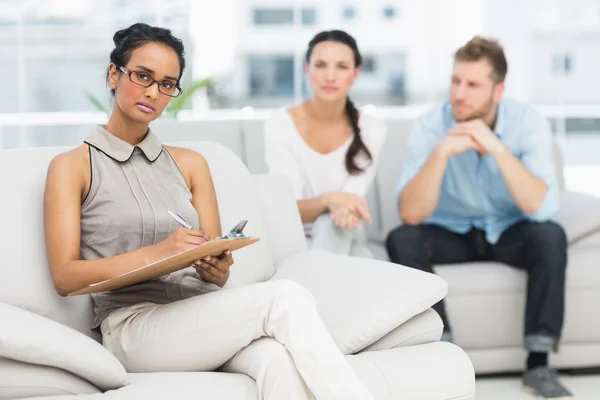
55,53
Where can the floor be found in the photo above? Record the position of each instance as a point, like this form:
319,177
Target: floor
583,387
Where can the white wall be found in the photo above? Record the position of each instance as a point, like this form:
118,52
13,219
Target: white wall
582,84
426,32
438,28
510,21
533,32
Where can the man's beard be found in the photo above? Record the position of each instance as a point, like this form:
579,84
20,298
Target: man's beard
480,113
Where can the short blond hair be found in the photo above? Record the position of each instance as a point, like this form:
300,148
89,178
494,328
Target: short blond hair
479,48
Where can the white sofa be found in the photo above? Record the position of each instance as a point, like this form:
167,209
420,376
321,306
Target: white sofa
485,301
378,313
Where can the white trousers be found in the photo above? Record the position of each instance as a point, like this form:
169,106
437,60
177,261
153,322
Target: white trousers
327,236
269,331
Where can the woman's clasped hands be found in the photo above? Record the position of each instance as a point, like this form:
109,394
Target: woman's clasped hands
347,210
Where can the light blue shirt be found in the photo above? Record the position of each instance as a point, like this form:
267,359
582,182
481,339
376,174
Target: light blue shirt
473,192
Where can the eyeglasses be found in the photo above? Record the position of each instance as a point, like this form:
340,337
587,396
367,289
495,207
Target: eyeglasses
143,79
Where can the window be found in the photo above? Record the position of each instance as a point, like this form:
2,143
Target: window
54,39
368,64
567,64
348,13
562,64
309,16
273,16
9,67
271,75
389,12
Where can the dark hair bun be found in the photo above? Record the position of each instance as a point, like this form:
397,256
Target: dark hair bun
120,36
127,40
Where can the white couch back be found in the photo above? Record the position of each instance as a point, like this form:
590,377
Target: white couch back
382,195
24,276
238,200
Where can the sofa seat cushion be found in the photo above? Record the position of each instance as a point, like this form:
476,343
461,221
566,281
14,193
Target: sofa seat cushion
178,385
34,339
433,371
579,215
19,380
492,277
492,296
426,327
361,300
187,385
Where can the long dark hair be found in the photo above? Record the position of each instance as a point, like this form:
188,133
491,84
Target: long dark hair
129,39
357,144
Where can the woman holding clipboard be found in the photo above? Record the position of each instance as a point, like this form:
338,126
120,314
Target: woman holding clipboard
106,211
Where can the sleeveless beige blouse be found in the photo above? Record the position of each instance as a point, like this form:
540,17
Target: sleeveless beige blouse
132,188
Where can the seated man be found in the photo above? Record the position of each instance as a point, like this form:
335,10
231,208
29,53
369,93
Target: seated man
479,183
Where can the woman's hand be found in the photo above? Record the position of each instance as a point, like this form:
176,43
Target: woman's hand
179,241
214,269
345,219
355,206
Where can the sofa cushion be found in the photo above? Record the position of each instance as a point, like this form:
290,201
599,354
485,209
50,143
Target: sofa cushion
24,276
361,300
180,386
579,215
426,327
433,371
388,175
188,385
494,295
20,380
238,200
491,277
31,338
281,215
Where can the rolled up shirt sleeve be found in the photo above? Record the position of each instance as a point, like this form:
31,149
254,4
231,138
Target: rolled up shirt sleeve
537,155
420,144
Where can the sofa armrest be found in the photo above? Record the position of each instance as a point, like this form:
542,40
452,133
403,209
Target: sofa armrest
281,214
361,300
31,338
579,215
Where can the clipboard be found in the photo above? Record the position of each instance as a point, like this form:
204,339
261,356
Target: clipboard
234,240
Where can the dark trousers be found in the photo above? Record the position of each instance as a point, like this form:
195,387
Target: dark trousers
540,249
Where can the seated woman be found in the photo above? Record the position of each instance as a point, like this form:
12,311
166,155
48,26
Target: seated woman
328,149
106,210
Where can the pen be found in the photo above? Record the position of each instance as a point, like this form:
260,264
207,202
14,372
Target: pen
179,219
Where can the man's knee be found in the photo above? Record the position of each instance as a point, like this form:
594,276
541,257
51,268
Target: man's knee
405,246
548,236
403,236
548,244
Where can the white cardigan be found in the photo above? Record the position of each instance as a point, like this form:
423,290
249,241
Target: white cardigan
311,173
